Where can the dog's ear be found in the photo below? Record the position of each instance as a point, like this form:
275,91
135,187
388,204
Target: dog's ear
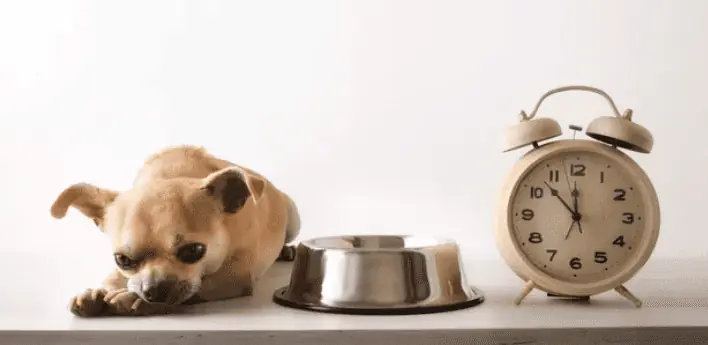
88,199
232,187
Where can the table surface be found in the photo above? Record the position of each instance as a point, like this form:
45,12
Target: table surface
675,295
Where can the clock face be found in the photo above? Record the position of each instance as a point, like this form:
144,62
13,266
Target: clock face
578,216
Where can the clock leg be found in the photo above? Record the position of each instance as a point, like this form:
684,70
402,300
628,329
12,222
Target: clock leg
628,295
530,285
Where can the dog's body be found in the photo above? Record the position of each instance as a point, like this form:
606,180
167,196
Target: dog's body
192,228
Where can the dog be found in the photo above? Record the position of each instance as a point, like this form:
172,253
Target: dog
193,228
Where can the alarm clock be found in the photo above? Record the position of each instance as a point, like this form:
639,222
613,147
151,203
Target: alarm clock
577,217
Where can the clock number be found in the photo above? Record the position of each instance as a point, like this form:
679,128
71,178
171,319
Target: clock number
577,170
619,241
600,257
536,192
628,217
553,253
602,177
553,176
527,214
619,195
535,237
575,263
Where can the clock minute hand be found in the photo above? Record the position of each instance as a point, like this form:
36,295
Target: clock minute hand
554,192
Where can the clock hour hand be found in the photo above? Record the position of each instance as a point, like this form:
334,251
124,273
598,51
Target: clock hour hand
554,192
575,193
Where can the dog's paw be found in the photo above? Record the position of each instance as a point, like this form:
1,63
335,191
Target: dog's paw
126,303
89,304
287,253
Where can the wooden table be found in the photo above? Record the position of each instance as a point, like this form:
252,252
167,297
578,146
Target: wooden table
35,295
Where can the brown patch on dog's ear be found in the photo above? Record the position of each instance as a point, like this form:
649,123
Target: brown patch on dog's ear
232,187
90,200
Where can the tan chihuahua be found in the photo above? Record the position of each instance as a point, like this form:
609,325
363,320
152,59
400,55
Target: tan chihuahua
193,228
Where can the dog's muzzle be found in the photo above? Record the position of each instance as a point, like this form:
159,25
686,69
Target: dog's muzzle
168,290
159,292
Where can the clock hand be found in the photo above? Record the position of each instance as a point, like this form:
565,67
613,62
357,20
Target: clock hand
565,172
576,195
571,228
554,192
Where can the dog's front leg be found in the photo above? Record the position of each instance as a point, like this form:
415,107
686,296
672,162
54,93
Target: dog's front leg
114,299
92,302
127,303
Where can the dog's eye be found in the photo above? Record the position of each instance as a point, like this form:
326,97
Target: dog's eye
191,253
125,262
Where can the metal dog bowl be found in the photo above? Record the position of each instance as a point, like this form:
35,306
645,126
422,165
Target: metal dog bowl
378,275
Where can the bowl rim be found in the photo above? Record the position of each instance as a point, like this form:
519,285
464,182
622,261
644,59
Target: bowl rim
432,242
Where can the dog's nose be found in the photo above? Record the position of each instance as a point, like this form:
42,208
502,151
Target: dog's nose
158,293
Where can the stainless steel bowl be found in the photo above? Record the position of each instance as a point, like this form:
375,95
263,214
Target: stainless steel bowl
378,275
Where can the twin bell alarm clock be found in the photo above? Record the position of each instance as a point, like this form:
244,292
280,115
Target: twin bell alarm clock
577,217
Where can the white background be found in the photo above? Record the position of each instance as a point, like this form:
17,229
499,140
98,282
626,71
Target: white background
376,116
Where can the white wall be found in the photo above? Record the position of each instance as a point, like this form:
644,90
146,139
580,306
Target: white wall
376,116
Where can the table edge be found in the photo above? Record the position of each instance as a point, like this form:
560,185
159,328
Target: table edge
578,336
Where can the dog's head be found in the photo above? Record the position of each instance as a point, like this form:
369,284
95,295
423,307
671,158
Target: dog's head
167,234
